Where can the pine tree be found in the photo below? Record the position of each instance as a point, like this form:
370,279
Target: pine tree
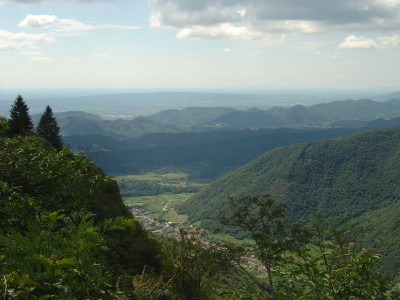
20,122
48,128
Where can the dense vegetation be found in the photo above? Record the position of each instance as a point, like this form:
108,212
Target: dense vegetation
66,234
301,262
205,154
208,142
132,188
352,179
342,114
64,230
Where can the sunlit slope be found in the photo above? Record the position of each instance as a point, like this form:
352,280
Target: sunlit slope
354,178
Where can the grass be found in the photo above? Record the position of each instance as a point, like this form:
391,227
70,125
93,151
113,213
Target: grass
171,216
161,207
154,206
155,176
176,176
151,176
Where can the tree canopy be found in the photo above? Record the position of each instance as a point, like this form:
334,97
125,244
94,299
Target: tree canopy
48,128
20,122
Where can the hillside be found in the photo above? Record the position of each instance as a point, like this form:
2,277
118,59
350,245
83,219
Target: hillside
64,229
209,154
318,115
353,179
337,114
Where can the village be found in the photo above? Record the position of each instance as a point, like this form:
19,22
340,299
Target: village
173,230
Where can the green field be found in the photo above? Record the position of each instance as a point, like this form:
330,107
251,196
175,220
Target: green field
160,207
151,176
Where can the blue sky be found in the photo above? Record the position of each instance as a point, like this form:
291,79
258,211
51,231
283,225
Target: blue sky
184,44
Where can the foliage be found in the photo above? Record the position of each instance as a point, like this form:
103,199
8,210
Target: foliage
320,269
20,122
134,188
64,230
264,221
205,154
61,255
37,169
353,180
193,265
48,128
3,127
331,267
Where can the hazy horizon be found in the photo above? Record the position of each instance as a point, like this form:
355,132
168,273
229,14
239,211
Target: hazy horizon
128,103
171,44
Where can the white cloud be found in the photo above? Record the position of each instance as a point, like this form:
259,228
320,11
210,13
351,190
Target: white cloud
361,42
389,41
19,40
358,42
44,1
219,31
207,17
290,26
38,21
68,26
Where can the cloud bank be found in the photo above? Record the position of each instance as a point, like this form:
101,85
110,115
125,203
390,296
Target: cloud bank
251,18
68,26
49,1
361,42
55,28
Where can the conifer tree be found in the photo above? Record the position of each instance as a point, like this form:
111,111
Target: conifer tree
20,122
48,128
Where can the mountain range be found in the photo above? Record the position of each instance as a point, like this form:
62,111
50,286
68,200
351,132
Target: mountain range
338,114
353,180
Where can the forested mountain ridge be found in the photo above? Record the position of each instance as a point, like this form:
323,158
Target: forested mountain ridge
318,115
208,153
65,233
352,179
64,229
356,113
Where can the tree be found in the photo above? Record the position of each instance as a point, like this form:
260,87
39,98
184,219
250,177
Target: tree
193,267
58,233
304,263
48,128
265,222
20,122
331,266
3,127
58,256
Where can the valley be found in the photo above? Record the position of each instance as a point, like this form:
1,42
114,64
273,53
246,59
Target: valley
178,171
200,150
155,208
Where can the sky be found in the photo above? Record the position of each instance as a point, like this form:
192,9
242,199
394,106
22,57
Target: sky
200,44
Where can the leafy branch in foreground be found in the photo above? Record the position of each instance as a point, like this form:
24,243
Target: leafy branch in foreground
265,222
300,263
58,255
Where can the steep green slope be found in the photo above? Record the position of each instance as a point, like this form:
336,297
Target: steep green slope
190,116
37,180
208,153
348,178
324,114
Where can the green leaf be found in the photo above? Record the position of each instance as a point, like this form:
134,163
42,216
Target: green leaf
66,262
44,260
